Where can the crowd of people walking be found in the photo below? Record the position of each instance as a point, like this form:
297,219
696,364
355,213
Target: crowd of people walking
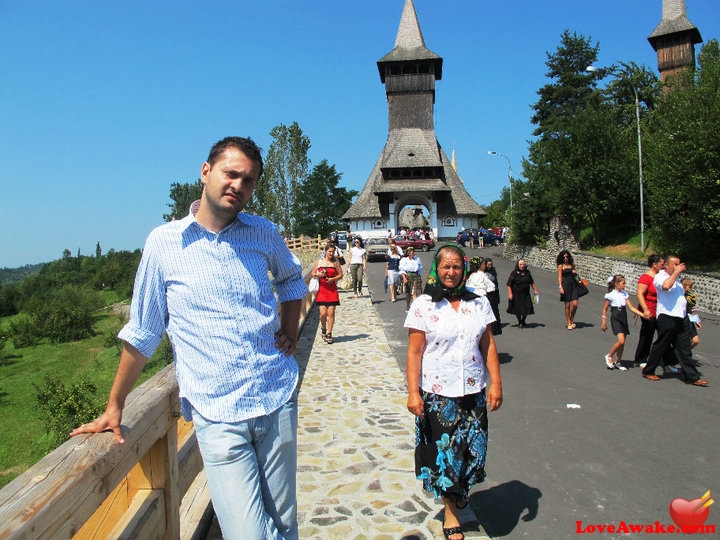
453,320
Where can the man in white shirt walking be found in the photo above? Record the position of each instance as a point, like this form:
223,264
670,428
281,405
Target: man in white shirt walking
671,329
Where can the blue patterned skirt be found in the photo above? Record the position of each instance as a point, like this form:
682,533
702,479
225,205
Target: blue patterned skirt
451,444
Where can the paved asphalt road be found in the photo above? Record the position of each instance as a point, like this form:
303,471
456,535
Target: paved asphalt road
573,441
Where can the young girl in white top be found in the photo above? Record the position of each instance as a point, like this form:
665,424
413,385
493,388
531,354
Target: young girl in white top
617,300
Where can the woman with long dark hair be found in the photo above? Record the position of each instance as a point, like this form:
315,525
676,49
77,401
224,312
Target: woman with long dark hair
328,272
567,276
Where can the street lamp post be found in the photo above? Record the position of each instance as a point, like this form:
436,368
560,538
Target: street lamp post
639,145
510,176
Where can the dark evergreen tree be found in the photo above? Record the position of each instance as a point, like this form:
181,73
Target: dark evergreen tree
320,203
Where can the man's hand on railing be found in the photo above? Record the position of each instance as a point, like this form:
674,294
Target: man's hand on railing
109,420
131,365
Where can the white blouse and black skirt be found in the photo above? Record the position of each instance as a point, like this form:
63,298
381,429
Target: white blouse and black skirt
451,438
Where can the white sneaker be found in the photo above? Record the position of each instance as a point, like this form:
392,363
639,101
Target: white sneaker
620,367
609,362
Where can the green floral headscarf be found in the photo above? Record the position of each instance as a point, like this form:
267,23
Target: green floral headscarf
434,288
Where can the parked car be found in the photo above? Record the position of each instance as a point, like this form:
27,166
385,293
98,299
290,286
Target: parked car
342,239
376,247
489,238
405,242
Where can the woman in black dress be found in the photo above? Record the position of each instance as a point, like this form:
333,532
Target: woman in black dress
494,296
520,302
567,274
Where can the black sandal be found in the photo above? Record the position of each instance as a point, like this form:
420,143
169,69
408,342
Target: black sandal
328,338
323,334
453,531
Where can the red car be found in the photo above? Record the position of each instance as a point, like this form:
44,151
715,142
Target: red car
410,241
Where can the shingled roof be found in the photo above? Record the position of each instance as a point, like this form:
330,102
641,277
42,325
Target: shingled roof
367,205
674,21
411,147
410,44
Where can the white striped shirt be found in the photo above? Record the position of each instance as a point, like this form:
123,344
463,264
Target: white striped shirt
212,294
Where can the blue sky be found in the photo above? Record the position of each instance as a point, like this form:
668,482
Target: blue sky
104,104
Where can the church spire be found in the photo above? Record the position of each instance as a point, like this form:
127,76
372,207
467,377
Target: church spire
409,34
409,48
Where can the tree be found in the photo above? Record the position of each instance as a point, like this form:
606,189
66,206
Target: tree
580,164
683,162
286,169
63,407
182,196
65,314
320,203
98,251
498,211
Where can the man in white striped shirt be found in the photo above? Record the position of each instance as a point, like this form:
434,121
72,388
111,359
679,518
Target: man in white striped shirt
204,280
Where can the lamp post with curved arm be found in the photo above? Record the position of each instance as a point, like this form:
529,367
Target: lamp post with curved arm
594,69
510,178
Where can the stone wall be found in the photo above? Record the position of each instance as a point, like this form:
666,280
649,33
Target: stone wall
597,268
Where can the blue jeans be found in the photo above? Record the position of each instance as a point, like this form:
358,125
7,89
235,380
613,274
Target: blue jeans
251,468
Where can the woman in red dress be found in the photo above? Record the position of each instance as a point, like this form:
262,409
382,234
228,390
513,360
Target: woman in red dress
329,272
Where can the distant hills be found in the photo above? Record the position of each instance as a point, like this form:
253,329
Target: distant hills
13,275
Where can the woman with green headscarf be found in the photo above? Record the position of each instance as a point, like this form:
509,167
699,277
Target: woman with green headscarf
453,375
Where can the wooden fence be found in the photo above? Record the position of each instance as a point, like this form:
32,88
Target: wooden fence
153,486
305,243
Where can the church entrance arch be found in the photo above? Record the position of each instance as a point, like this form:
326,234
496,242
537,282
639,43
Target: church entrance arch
414,213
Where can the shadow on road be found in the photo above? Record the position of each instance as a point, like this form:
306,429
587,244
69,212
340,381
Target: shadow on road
499,508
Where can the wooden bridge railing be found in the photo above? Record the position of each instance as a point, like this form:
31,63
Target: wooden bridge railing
305,243
153,486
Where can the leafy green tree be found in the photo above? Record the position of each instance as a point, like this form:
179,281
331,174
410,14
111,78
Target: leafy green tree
66,314
320,203
62,407
98,251
24,331
286,169
683,162
498,211
182,196
551,168
581,164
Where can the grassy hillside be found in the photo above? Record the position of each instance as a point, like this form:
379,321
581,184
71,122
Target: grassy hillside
22,437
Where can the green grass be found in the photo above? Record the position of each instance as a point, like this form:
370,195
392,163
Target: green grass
630,249
22,435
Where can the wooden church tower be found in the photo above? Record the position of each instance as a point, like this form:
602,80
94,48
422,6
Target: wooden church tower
413,172
674,39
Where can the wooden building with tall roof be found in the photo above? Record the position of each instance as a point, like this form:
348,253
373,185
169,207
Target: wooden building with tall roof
413,170
674,39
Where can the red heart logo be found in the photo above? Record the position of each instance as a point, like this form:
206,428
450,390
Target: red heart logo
684,515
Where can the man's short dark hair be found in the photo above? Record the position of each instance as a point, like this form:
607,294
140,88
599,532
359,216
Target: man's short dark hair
245,144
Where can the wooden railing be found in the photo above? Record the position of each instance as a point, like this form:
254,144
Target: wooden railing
153,486
305,242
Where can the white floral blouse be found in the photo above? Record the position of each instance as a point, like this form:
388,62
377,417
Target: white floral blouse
452,364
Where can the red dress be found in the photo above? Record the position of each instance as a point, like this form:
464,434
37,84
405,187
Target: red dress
328,292
650,294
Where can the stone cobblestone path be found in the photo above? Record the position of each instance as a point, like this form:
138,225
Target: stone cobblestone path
355,437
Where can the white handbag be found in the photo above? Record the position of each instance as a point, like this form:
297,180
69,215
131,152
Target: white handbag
314,285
